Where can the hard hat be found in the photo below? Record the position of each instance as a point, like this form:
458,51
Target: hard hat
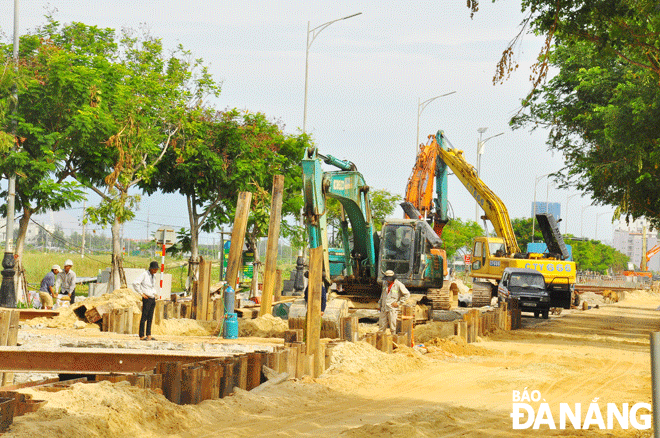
68,262
389,275
56,267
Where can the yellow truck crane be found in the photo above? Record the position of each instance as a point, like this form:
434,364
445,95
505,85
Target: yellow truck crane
490,255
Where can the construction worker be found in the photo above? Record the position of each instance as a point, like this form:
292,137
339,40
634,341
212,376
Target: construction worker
393,295
324,292
47,289
145,285
67,281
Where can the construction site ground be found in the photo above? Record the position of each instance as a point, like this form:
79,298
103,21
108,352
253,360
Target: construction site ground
453,390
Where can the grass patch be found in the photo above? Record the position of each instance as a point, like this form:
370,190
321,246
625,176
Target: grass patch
37,265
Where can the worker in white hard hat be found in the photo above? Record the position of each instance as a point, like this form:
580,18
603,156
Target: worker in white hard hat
47,288
67,281
393,295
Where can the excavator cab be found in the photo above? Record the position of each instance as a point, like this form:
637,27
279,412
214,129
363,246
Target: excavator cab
410,248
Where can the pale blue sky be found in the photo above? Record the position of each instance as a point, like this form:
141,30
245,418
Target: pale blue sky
365,77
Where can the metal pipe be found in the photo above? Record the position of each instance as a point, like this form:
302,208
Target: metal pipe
655,381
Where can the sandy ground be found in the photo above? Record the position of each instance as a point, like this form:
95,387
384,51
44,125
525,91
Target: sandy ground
455,390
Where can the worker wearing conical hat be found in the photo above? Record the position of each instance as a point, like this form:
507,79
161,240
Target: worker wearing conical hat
393,295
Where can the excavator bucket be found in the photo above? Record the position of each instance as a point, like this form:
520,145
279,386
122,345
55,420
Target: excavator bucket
551,235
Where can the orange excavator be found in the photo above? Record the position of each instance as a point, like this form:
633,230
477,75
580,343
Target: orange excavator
643,266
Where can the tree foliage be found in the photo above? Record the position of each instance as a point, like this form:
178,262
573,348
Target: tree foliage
602,107
102,109
459,234
383,205
594,256
602,114
217,155
625,29
522,228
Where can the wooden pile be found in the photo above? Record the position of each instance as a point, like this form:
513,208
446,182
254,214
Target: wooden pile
14,404
203,307
123,320
8,337
331,322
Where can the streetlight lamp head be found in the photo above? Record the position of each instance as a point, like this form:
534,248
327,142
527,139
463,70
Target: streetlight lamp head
482,130
351,16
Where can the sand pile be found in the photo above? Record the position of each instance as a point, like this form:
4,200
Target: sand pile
364,328
103,410
119,299
361,358
432,330
640,294
266,326
592,298
184,327
456,346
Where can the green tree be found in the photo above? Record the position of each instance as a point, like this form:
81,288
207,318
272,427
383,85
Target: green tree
383,205
522,228
595,256
458,235
624,29
221,154
603,105
118,102
36,123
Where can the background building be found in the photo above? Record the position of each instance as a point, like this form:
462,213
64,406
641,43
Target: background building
628,240
547,207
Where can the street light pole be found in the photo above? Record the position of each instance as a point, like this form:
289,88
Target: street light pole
568,198
480,151
7,289
538,178
476,203
420,108
314,33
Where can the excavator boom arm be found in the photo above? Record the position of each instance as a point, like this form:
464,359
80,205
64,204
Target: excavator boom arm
492,205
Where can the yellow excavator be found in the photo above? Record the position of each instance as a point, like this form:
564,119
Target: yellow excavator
490,255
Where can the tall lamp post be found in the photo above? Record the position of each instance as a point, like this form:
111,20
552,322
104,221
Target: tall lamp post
7,289
420,108
311,36
314,33
568,198
538,178
480,151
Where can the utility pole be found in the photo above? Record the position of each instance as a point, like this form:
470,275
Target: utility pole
82,251
7,288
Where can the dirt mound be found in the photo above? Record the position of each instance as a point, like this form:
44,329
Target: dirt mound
432,330
119,299
456,346
361,358
639,294
266,326
592,298
103,410
184,327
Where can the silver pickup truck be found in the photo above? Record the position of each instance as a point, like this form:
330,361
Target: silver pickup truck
528,286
